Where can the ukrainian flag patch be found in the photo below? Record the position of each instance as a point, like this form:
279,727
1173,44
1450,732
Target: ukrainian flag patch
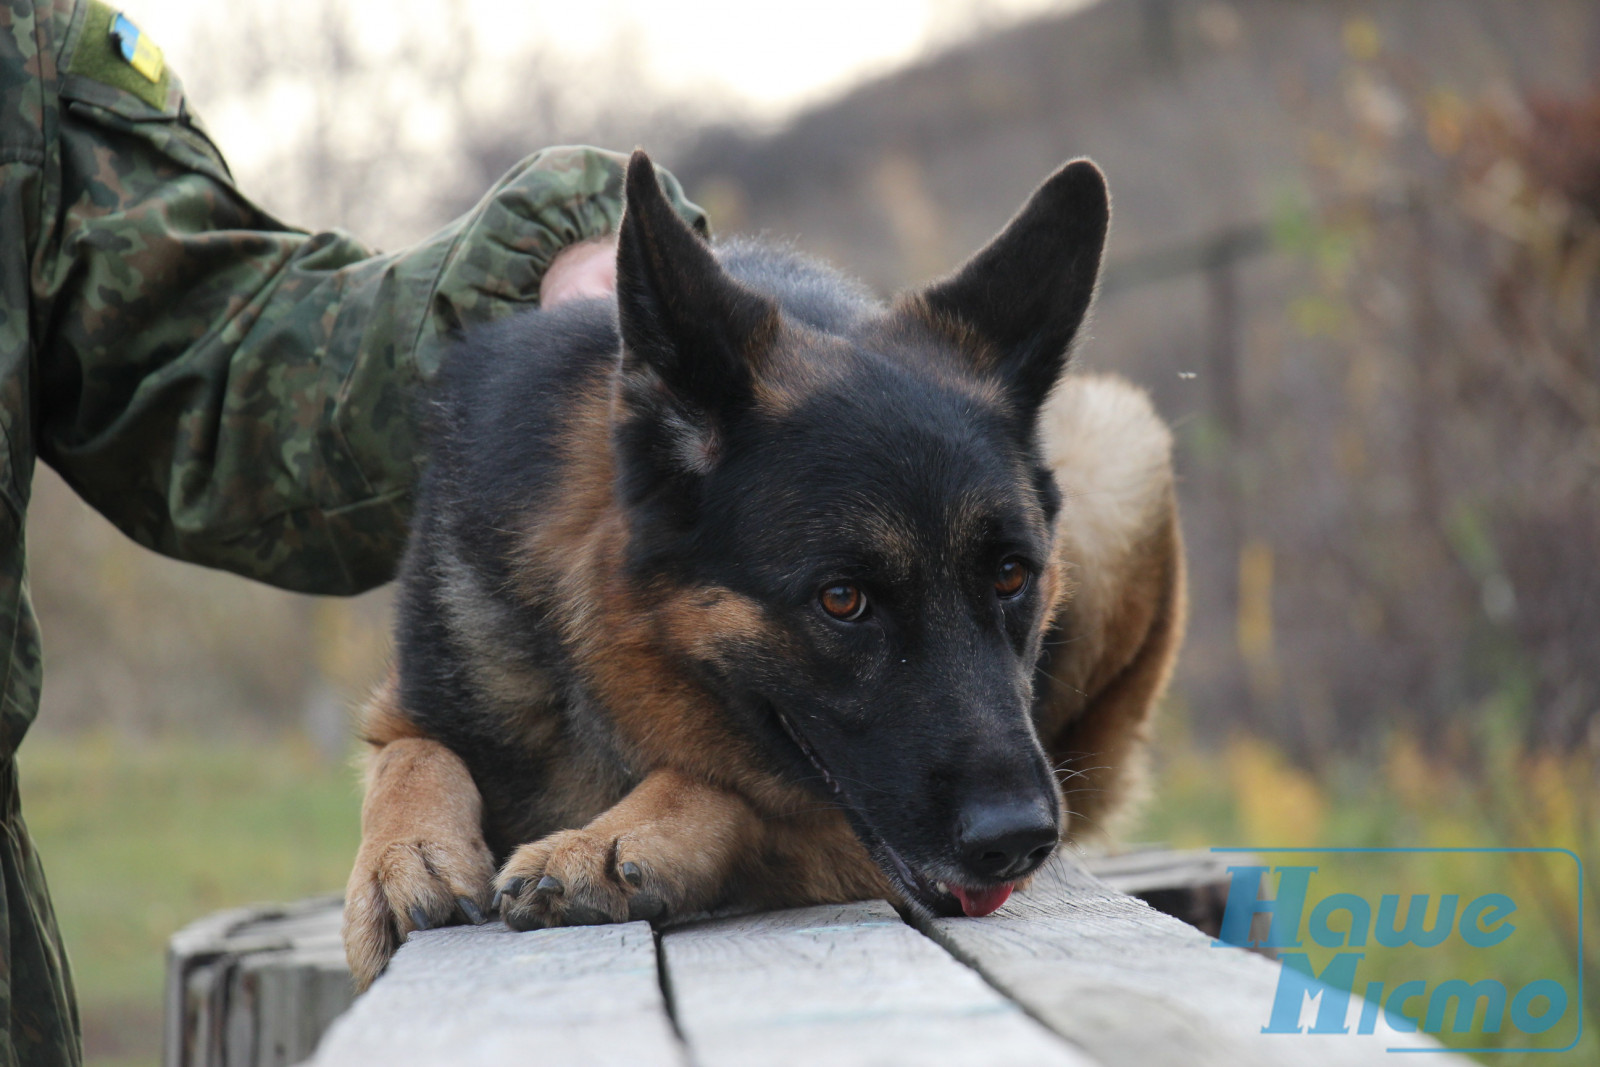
112,50
136,48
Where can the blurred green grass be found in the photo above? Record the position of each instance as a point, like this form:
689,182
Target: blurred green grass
1249,794
139,839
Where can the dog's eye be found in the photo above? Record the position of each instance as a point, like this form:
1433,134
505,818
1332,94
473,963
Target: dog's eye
844,602
1011,579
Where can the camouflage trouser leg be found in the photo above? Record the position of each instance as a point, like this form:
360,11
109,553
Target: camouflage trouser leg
38,1015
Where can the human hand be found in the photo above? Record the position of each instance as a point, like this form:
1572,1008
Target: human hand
588,268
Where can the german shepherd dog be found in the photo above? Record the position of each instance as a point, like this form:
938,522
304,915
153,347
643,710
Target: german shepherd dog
749,590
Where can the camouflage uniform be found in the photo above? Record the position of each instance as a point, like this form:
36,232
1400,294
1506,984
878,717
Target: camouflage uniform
225,389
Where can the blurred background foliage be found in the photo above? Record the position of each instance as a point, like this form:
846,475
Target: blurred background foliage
1355,259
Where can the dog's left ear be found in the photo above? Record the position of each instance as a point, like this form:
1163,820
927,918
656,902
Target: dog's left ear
1025,294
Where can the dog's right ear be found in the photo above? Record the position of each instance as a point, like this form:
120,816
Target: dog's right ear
700,333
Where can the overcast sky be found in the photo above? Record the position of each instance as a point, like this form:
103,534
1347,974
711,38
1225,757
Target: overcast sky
773,56
257,71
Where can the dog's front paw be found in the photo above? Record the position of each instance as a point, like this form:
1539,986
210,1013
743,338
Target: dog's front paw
670,848
580,878
399,886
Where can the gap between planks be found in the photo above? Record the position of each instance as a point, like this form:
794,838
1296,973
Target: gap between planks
844,985
850,985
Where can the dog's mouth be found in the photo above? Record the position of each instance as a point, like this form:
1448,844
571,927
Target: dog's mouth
928,897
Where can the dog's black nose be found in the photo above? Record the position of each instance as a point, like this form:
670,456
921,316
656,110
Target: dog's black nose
1006,839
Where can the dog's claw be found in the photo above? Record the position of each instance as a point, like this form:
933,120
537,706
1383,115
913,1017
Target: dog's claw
470,909
549,885
632,874
419,918
494,901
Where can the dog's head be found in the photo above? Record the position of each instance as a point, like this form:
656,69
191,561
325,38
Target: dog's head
851,526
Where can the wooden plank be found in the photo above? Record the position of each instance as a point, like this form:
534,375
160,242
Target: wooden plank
293,997
1191,885
480,996
1146,869
256,986
196,957
1134,987
842,985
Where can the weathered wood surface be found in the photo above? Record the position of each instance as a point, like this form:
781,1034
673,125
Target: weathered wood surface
258,987
1071,972
1191,885
842,985
255,987
485,996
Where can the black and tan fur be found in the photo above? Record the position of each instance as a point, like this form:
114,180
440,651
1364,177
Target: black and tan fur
621,687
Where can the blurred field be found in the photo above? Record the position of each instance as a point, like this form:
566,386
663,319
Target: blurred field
140,839
1248,794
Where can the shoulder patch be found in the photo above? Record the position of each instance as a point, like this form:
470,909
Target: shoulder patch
112,50
142,54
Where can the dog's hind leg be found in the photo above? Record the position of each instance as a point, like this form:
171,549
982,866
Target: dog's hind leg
669,848
423,861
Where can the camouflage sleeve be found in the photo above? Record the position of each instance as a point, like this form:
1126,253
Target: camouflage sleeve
235,393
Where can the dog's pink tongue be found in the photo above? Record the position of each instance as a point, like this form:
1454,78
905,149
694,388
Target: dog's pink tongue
980,902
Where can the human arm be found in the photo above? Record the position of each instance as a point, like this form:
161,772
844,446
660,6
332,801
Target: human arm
235,393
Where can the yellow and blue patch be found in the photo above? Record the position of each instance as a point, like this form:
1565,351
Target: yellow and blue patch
112,50
137,49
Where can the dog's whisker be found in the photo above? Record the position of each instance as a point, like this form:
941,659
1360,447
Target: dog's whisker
1060,681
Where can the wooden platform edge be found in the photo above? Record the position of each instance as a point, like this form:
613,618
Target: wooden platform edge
259,987
254,986
1130,985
